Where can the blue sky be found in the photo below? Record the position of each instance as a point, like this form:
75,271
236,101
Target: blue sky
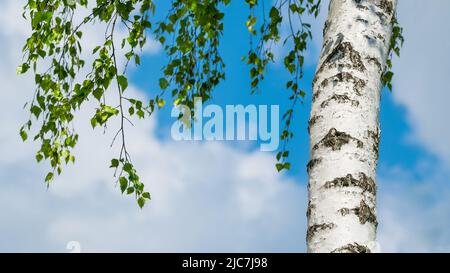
235,90
226,196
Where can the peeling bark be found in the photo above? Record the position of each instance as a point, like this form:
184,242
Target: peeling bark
344,126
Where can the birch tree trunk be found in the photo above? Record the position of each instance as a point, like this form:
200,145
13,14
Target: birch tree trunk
344,126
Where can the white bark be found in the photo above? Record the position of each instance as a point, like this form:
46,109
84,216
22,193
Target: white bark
344,127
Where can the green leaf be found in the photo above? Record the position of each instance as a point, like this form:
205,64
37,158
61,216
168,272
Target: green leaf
23,134
98,93
96,49
146,195
36,111
137,59
127,167
49,177
163,83
160,103
287,166
141,202
123,82
282,166
140,113
388,76
114,163
22,68
39,157
279,166
93,122
123,183
278,156
131,110
274,13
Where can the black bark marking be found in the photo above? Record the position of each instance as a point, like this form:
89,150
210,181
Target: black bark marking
386,10
312,163
317,93
382,17
335,140
339,99
376,62
363,212
345,51
352,248
373,38
363,182
346,211
358,84
316,228
364,21
366,214
312,121
309,209
361,7
375,136
386,6
380,37
343,55
326,47
325,27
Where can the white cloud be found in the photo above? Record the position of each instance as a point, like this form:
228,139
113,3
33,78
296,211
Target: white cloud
422,71
205,197
414,211
11,20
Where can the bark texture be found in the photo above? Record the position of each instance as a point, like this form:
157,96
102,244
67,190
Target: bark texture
344,126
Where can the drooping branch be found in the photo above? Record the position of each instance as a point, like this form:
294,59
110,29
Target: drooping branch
262,54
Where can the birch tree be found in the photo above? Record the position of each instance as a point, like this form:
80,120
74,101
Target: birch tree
344,125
